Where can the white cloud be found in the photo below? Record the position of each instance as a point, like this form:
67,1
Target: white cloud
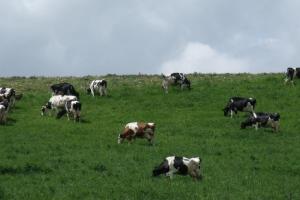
198,57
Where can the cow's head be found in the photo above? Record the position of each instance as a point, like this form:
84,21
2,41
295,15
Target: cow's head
161,169
275,116
88,91
194,168
120,138
226,110
45,108
150,125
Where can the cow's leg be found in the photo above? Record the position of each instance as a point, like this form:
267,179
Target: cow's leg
68,116
181,86
165,86
231,113
256,126
92,92
4,118
170,174
101,91
149,137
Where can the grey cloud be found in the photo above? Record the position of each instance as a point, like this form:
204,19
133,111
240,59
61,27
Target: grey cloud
80,37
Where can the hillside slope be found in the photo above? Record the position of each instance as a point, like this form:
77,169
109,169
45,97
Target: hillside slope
45,158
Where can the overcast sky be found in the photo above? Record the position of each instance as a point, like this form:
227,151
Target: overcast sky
97,37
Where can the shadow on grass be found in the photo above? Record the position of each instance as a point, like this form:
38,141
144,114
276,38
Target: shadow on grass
9,122
84,121
28,169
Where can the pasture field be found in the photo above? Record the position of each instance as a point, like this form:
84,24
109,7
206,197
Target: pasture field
45,158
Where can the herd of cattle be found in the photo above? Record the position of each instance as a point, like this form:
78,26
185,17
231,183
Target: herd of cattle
65,100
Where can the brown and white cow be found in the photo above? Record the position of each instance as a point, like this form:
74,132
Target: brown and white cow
137,130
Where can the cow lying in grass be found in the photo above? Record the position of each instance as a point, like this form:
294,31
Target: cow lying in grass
175,79
99,86
137,130
262,119
241,104
57,103
179,165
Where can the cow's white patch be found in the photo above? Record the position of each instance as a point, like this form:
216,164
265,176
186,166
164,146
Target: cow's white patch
132,126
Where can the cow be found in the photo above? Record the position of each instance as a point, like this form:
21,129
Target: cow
175,79
242,104
179,165
57,103
291,74
137,130
64,89
3,111
262,119
98,86
73,107
10,95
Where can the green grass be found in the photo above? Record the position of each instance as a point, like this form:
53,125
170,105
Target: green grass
45,158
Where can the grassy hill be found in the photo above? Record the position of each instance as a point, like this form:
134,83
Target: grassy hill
45,158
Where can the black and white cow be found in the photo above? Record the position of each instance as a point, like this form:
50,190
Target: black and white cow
57,103
175,79
73,108
4,104
291,74
179,165
99,86
242,104
262,119
64,89
10,95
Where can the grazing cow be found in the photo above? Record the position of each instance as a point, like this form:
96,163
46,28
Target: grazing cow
262,119
57,103
64,89
239,104
73,108
179,165
291,74
175,79
9,94
98,86
137,129
3,111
